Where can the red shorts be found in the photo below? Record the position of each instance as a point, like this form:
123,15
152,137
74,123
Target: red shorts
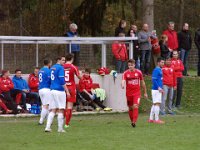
131,100
72,91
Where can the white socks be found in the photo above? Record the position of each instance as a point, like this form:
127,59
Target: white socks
43,115
50,120
152,113
157,111
60,121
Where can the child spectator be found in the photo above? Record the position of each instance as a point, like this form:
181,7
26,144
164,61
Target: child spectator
6,85
85,84
120,53
163,47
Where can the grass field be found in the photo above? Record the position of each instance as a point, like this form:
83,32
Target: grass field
102,132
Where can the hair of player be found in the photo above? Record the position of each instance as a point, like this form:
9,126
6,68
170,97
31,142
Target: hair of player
160,59
168,58
132,61
17,70
88,70
69,56
58,59
4,72
46,62
37,68
171,22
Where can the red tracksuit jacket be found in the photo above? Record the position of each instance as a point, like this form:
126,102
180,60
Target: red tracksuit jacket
33,82
178,67
169,76
119,51
85,83
172,39
6,84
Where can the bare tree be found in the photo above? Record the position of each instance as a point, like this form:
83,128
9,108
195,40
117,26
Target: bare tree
148,13
182,3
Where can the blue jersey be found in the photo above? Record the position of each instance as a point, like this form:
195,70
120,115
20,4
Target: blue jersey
157,77
44,78
57,77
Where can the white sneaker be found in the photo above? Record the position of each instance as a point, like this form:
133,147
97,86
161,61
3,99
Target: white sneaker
61,131
19,107
47,130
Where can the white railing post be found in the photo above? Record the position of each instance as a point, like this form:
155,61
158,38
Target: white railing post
37,54
131,50
103,55
70,47
2,56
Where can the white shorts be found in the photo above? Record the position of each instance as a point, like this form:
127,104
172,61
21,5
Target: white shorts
45,96
156,96
58,101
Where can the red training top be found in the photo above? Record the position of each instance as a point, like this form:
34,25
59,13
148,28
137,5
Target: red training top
85,83
33,82
6,84
119,51
132,79
178,67
169,76
172,39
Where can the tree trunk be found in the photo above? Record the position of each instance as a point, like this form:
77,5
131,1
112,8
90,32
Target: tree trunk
181,14
148,13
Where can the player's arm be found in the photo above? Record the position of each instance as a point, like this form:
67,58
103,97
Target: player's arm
144,88
123,81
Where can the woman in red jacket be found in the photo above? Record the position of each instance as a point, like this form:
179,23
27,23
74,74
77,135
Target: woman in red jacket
120,53
6,85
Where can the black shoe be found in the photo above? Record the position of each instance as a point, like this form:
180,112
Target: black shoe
133,125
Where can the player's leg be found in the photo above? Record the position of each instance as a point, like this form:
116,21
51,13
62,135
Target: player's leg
152,112
61,106
164,98
130,107
136,103
171,94
157,101
52,107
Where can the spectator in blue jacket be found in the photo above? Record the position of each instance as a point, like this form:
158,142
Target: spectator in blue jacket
21,86
75,48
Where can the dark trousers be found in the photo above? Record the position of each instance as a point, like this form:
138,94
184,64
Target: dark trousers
184,57
120,66
145,61
198,72
92,102
178,93
76,57
10,103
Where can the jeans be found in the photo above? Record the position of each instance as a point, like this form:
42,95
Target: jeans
184,57
198,72
145,61
120,66
168,91
178,92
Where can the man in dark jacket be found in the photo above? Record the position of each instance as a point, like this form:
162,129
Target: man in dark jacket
197,43
185,44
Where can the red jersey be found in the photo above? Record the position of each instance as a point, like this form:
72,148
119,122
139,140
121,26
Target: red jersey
178,67
85,83
169,76
33,82
132,79
70,71
6,84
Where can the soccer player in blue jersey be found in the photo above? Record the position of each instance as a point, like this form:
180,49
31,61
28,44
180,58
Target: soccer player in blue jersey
58,88
44,89
157,90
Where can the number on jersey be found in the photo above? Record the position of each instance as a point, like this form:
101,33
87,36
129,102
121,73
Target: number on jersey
40,77
52,75
66,75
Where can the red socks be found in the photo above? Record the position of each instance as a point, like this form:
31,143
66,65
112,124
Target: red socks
135,115
3,106
68,116
18,98
130,112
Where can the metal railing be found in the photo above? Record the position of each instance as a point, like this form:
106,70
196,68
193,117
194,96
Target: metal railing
65,40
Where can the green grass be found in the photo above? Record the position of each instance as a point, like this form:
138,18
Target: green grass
102,132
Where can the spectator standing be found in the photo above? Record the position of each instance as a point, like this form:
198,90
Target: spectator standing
136,53
21,87
172,37
185,45
165,53
120,28
144,39
75,48
178,68
120,53
197,43
6,85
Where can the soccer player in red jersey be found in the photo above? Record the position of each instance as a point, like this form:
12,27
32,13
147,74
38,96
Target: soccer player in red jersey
70,72
133,78
169,84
